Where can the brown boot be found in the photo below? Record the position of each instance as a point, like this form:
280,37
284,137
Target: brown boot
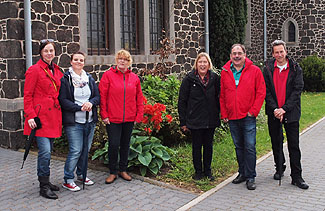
125,176
110,179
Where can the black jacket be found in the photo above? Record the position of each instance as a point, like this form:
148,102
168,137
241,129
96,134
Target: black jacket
199,107
294,87
66,98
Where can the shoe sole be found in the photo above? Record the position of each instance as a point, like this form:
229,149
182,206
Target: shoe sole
70,189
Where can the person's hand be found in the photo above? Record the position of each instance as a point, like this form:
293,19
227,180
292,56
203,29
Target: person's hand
250,115
86,106
278,113
225,120
32,124
106,121
184,128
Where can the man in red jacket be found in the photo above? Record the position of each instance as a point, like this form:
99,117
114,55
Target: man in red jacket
241,98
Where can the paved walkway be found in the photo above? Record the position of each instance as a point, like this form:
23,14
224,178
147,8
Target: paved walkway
19,188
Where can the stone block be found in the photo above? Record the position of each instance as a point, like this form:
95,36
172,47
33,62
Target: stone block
74,9
64,35
64,61
38,6
73,48
45,18
15,29
10,49
16,68
39,31
8,10
55,19
71,20
11,88
11,120
17,140
4,138
57,6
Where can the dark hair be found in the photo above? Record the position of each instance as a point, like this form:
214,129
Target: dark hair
239,45
44,43
78,52
279,42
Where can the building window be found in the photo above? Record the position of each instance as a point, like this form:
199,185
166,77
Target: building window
135,25
129,29
156,21
97,38
291,32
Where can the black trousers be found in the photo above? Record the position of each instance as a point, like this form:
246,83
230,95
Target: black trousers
118,145
292,133
202,138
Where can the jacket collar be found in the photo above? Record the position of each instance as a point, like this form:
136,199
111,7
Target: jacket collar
115,70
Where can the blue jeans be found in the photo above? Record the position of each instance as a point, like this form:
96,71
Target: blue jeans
243,132
45,146
75,135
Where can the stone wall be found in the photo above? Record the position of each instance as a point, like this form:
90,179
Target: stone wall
310,18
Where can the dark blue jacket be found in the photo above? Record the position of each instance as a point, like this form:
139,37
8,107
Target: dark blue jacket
67,102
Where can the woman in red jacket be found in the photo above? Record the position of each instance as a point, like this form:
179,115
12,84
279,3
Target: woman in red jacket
121,103
42,85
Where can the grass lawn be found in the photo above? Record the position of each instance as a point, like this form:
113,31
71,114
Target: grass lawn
224,162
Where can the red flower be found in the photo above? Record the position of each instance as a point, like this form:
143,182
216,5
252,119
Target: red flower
169,118
148,130
145,120
145,100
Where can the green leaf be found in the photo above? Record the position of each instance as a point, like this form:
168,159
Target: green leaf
159,162
165,156
157,152
145,158
143,170
154,170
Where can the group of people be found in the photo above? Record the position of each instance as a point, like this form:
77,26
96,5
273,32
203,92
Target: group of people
237,98
70,100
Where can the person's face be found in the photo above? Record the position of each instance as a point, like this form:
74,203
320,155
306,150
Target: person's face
280,54
48,53
122,63
78,62
202,65
237,56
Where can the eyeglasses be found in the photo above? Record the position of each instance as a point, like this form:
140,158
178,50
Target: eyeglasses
47,41
124,59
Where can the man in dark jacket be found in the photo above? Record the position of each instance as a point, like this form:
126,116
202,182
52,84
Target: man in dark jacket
242,95
284,84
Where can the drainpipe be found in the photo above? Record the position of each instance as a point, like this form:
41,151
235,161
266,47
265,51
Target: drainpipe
28,33
265,32
206,25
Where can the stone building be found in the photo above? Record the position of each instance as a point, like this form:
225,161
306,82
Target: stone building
101,27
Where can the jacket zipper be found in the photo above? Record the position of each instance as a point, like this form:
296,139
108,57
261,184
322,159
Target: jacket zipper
124,97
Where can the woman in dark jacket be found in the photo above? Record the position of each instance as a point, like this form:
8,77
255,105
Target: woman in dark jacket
198,108
79,97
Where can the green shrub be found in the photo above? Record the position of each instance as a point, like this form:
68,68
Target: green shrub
314,73
147,153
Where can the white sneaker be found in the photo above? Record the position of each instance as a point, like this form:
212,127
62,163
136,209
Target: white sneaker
87,181
71,186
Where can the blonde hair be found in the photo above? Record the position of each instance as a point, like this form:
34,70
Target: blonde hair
124,54
203,54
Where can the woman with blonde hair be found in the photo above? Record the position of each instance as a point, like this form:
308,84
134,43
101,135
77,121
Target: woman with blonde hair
121,105
198,108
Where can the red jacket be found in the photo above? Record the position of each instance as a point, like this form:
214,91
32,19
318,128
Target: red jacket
248,96
41,92
121,98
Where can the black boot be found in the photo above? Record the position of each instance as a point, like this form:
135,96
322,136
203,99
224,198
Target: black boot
45,189
53,187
